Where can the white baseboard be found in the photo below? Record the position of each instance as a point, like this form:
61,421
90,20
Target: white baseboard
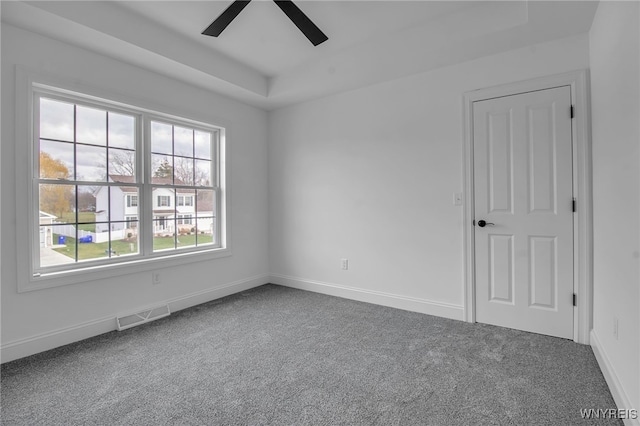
207,295
617,391
423,306
42,342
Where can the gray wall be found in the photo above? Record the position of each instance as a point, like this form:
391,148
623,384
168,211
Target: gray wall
60,313
369,175
615,102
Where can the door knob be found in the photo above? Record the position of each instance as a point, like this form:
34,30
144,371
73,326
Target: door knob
482,223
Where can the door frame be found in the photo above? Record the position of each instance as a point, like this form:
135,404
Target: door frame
582,172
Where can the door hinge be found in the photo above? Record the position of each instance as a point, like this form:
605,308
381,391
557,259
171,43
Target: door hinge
572,112
573,205
575,300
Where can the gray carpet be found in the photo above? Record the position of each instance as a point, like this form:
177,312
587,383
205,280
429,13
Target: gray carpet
278,356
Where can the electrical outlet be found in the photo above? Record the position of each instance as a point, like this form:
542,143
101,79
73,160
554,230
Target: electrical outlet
345,264
155,277
615,327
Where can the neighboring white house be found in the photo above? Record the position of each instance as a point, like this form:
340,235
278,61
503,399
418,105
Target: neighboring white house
46,236
171,209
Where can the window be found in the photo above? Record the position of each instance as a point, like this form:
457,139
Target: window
89,183
164,201
185,200
184,219
132,222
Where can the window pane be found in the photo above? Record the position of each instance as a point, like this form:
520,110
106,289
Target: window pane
122,162
126,242
203,173
55,248
123,204
205,200
91,163
56,120
161,169
102,229
87,203
121,130
203,145
57,204
184,202
163,234
161,138
183,171
86,209
103,194
91,125
182,141
185,237
205,228
93,245
205,216
56,160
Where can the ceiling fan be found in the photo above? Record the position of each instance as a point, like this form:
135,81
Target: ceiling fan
294,13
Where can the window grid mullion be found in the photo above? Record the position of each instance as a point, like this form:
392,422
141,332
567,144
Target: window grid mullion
75,177
145,199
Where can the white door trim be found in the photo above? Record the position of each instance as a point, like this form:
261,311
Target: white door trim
582,226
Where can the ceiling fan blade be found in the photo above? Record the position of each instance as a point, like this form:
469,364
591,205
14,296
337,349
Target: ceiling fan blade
301,21
225,18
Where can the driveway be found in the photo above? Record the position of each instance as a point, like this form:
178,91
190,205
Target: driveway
49,257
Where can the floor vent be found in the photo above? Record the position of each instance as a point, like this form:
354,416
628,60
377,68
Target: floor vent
129,321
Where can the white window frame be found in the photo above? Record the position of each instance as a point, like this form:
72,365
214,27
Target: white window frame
181,201
28,84
184,219
130,199
164,200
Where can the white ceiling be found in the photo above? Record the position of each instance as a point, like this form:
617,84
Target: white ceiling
261,58
263,37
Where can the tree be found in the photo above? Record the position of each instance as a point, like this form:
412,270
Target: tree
164,170
51,168
54,198
122,163
86,200
190,175
184,170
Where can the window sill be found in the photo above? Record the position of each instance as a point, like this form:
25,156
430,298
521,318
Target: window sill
100,272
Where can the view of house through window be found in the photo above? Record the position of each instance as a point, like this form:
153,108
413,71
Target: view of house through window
94,202
182,175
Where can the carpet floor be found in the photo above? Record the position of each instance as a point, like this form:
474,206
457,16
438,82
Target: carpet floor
278,356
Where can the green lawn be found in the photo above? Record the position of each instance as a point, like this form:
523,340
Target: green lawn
70,217
161,243
122,247
95,250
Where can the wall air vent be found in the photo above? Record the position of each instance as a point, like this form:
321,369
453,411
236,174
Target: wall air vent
142,317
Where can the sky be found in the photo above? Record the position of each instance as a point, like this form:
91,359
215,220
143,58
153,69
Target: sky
97,128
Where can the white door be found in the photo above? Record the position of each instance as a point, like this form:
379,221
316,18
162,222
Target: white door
523,192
